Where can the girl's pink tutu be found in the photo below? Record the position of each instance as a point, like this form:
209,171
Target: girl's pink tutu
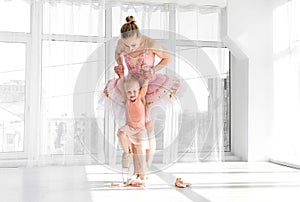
162,88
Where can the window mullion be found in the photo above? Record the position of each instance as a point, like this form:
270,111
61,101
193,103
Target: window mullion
33,102
109,128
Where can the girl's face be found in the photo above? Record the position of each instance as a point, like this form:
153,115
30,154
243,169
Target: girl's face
132,90
132,43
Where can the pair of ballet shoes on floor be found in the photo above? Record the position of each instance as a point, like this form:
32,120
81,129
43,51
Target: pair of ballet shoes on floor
181,184
142,183
138,182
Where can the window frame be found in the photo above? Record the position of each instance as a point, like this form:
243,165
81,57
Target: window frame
22,38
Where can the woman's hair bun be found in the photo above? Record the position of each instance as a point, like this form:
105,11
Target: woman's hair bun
129,28
130,19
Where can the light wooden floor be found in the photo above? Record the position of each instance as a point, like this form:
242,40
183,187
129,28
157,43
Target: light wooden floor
216,182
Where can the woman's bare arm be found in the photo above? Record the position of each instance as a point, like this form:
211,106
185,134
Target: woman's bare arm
162,53
165,60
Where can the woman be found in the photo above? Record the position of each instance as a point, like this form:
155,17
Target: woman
139,53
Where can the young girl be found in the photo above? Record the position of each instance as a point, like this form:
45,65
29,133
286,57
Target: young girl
138,52
133,135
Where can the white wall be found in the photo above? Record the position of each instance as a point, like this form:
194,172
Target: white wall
250,28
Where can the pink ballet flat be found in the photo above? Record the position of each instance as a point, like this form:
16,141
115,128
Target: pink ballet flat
181,184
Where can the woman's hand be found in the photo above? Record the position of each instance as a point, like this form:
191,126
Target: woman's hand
148,72
119,70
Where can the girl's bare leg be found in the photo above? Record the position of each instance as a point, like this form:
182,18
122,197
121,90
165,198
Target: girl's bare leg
152,144
126,146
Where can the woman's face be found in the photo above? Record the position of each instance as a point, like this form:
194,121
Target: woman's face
132,43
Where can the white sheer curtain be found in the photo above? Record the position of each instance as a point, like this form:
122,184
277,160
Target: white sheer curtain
70,33
208,79
285,144
75,44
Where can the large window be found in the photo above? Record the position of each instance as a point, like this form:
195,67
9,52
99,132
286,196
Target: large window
55,57
14,40
209,83
62,62
12,94
71,35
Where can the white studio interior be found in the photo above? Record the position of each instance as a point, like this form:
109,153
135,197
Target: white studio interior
231,130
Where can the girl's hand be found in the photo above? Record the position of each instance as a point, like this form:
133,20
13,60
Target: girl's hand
119,70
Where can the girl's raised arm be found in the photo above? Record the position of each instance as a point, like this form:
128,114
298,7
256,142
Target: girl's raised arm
118,52
122,84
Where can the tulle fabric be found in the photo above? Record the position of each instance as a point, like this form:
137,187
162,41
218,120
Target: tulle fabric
162,88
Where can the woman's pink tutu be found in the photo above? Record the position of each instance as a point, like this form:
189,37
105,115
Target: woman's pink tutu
162,88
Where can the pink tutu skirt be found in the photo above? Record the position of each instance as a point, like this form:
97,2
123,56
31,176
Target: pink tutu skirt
162,90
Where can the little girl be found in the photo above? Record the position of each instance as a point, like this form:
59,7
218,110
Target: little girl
133,135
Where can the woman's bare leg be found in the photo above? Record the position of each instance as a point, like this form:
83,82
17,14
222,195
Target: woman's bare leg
152,144
135,161
141,161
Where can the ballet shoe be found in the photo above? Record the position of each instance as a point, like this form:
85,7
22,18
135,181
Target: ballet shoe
138,182
181,184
